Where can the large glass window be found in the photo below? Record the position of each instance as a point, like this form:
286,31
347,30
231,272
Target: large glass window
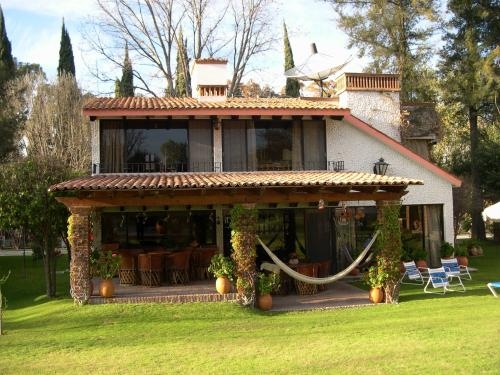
156,146
273,145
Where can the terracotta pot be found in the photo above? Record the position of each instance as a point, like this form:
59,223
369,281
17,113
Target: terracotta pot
265,302
355,272
463,260
376,295
421,263
223,285
106,288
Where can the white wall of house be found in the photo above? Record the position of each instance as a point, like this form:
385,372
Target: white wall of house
359,151
95,140
379,109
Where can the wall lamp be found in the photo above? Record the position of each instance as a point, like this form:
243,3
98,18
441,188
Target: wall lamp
380,167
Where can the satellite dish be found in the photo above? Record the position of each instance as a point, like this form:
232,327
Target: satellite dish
317,68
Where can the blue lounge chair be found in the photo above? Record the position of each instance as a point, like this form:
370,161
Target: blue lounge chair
412,274
439,279
452,268
492,287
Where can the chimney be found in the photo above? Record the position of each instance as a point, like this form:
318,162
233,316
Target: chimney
209,79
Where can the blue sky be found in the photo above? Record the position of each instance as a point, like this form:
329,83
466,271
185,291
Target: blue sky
34,29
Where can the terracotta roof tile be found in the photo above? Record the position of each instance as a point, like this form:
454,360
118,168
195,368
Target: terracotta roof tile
165,181
140,103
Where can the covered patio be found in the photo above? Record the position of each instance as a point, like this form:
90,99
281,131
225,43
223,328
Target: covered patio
216,191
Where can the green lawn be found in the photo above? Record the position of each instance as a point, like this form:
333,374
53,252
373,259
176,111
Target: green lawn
424,334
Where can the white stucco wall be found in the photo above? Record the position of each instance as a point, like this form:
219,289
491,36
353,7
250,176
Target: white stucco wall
359,151
94,134
379,109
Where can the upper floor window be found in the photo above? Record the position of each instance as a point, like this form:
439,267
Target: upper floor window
273,145
155,146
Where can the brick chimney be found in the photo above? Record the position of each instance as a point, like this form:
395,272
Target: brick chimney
209,79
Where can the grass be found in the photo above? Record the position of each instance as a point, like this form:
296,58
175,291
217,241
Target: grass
458,333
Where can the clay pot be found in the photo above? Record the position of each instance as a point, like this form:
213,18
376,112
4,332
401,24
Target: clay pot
223,285
106,288
463,260
376,295
265,302
421,263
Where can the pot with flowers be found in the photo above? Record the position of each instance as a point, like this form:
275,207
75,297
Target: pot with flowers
266,284
375,279
223,269
108,265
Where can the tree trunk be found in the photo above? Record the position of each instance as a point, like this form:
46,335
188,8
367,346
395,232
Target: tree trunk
477,227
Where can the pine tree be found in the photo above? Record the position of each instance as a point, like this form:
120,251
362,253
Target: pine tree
470,79
292,88
66,60
394,35
127,81
182,76
7,65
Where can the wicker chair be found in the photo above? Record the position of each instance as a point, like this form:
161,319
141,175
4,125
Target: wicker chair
324,268
177,267
308,269
150,269
200,260
128,269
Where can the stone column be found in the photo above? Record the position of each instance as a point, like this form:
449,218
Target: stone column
80,253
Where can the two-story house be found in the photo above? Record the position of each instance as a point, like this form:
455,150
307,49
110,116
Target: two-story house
167,171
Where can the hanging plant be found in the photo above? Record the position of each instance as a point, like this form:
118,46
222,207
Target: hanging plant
243,240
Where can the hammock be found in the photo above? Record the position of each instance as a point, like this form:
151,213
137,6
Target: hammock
347,254
317,280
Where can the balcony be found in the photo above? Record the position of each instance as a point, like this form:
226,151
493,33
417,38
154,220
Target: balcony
209,166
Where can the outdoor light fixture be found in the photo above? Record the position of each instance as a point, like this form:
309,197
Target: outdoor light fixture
380,167
321,204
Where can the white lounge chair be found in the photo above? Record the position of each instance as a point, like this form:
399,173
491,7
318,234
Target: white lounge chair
439,279
452,268
412,274
492,287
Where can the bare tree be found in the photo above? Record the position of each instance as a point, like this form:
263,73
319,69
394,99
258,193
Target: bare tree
55,128
253,35
149,27
206,18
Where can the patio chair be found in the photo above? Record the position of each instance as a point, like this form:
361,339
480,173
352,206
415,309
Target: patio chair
150,269
177,267
492,286
439,279
412,274
309,269
452,267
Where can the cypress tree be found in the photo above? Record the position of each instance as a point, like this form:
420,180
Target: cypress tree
7,65
117,88
127,81
66,60
182,76
292,85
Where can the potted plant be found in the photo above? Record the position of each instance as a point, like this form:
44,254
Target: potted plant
461,254
374,278
420,256
108,265
223,269
266,284
447,250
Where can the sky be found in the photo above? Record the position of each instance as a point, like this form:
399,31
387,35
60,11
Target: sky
34,30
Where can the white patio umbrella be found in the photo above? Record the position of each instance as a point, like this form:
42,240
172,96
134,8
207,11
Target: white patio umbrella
492,213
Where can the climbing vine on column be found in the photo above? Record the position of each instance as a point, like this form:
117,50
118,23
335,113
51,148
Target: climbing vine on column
390,249
243,240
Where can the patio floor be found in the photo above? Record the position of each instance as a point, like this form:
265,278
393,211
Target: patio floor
338,295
